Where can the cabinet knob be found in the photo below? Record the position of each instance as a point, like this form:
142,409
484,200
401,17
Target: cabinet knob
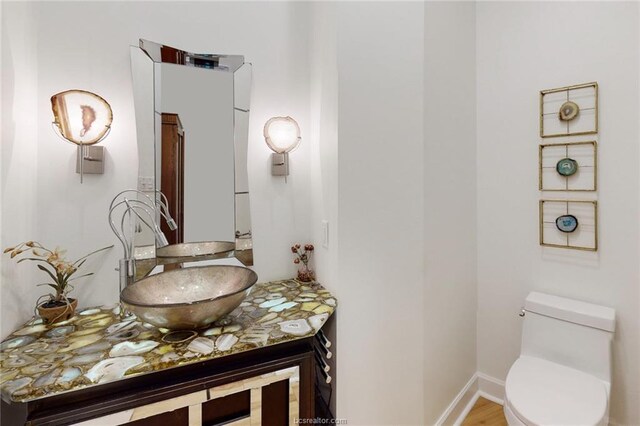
322,364
323,339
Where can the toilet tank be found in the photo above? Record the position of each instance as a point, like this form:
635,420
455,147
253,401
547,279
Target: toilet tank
569,332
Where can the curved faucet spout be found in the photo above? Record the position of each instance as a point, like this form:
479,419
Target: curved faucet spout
161,239
145,210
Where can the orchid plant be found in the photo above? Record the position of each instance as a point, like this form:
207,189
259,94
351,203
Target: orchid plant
54,264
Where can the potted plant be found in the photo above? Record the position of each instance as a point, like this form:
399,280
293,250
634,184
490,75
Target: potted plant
56,307
303,256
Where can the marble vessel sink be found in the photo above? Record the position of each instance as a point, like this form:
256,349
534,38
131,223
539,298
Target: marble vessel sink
189,298
204,248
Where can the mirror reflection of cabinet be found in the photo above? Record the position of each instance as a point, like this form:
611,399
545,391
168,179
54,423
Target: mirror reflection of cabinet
172,183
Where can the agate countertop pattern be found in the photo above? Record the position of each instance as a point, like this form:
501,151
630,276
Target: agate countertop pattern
101,344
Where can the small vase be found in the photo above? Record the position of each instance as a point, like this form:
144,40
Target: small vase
58,313
306,274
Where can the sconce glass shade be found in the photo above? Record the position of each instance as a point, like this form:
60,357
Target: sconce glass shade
282,134
82,117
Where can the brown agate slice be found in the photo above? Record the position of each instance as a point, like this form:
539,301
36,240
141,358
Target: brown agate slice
568,111
83,118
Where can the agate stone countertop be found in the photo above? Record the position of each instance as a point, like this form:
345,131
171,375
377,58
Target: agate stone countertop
100,345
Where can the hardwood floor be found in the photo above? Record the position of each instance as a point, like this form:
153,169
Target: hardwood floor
485,412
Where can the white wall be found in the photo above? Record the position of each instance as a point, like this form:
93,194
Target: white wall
380,224
324,138
18,150
50,47
521,49
449,203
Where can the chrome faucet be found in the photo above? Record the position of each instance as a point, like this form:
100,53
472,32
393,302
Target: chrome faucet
134,212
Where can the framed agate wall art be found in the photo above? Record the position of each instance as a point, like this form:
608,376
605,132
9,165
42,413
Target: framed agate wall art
569,111
570,224
571,166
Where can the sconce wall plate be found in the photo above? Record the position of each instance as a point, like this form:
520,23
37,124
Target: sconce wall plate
93,160
280,164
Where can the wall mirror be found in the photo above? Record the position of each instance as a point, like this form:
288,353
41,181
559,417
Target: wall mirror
192,119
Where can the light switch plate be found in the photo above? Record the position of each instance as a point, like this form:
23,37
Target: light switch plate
325,233
146,183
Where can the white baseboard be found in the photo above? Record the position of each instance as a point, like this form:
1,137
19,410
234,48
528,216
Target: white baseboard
460,403
466,409
491,388
480,385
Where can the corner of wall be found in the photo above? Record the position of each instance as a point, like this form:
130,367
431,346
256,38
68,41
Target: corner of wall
450,194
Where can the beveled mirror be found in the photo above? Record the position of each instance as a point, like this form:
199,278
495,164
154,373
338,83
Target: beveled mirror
192,117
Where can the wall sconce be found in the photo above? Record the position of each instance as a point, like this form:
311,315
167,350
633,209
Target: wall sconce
282,134
84,119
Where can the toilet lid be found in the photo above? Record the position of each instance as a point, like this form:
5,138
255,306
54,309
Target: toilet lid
541,392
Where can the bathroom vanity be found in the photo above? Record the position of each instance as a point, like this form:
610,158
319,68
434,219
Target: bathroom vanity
268,362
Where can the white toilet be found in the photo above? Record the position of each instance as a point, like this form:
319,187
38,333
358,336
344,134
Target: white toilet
563,374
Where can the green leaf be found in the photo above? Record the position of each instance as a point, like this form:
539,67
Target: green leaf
53,277
55,287
33,258
92,253
81,276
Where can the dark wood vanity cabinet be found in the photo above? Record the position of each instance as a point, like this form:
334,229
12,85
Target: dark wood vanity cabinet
274,385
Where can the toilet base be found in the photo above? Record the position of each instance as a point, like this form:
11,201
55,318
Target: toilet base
512,420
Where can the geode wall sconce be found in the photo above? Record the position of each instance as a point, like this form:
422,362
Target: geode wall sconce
282,135
83,118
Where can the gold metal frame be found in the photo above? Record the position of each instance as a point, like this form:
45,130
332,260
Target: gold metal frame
568,89
567,145
569,246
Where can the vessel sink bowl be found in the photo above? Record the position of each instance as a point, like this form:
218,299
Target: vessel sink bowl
189,298
204,248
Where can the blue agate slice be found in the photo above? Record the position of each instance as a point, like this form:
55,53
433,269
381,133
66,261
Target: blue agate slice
567,223
567,166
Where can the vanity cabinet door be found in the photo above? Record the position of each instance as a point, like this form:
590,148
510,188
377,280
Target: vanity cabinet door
180,411
172,418
268,399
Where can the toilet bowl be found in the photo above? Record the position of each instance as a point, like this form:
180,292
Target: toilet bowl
563,374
